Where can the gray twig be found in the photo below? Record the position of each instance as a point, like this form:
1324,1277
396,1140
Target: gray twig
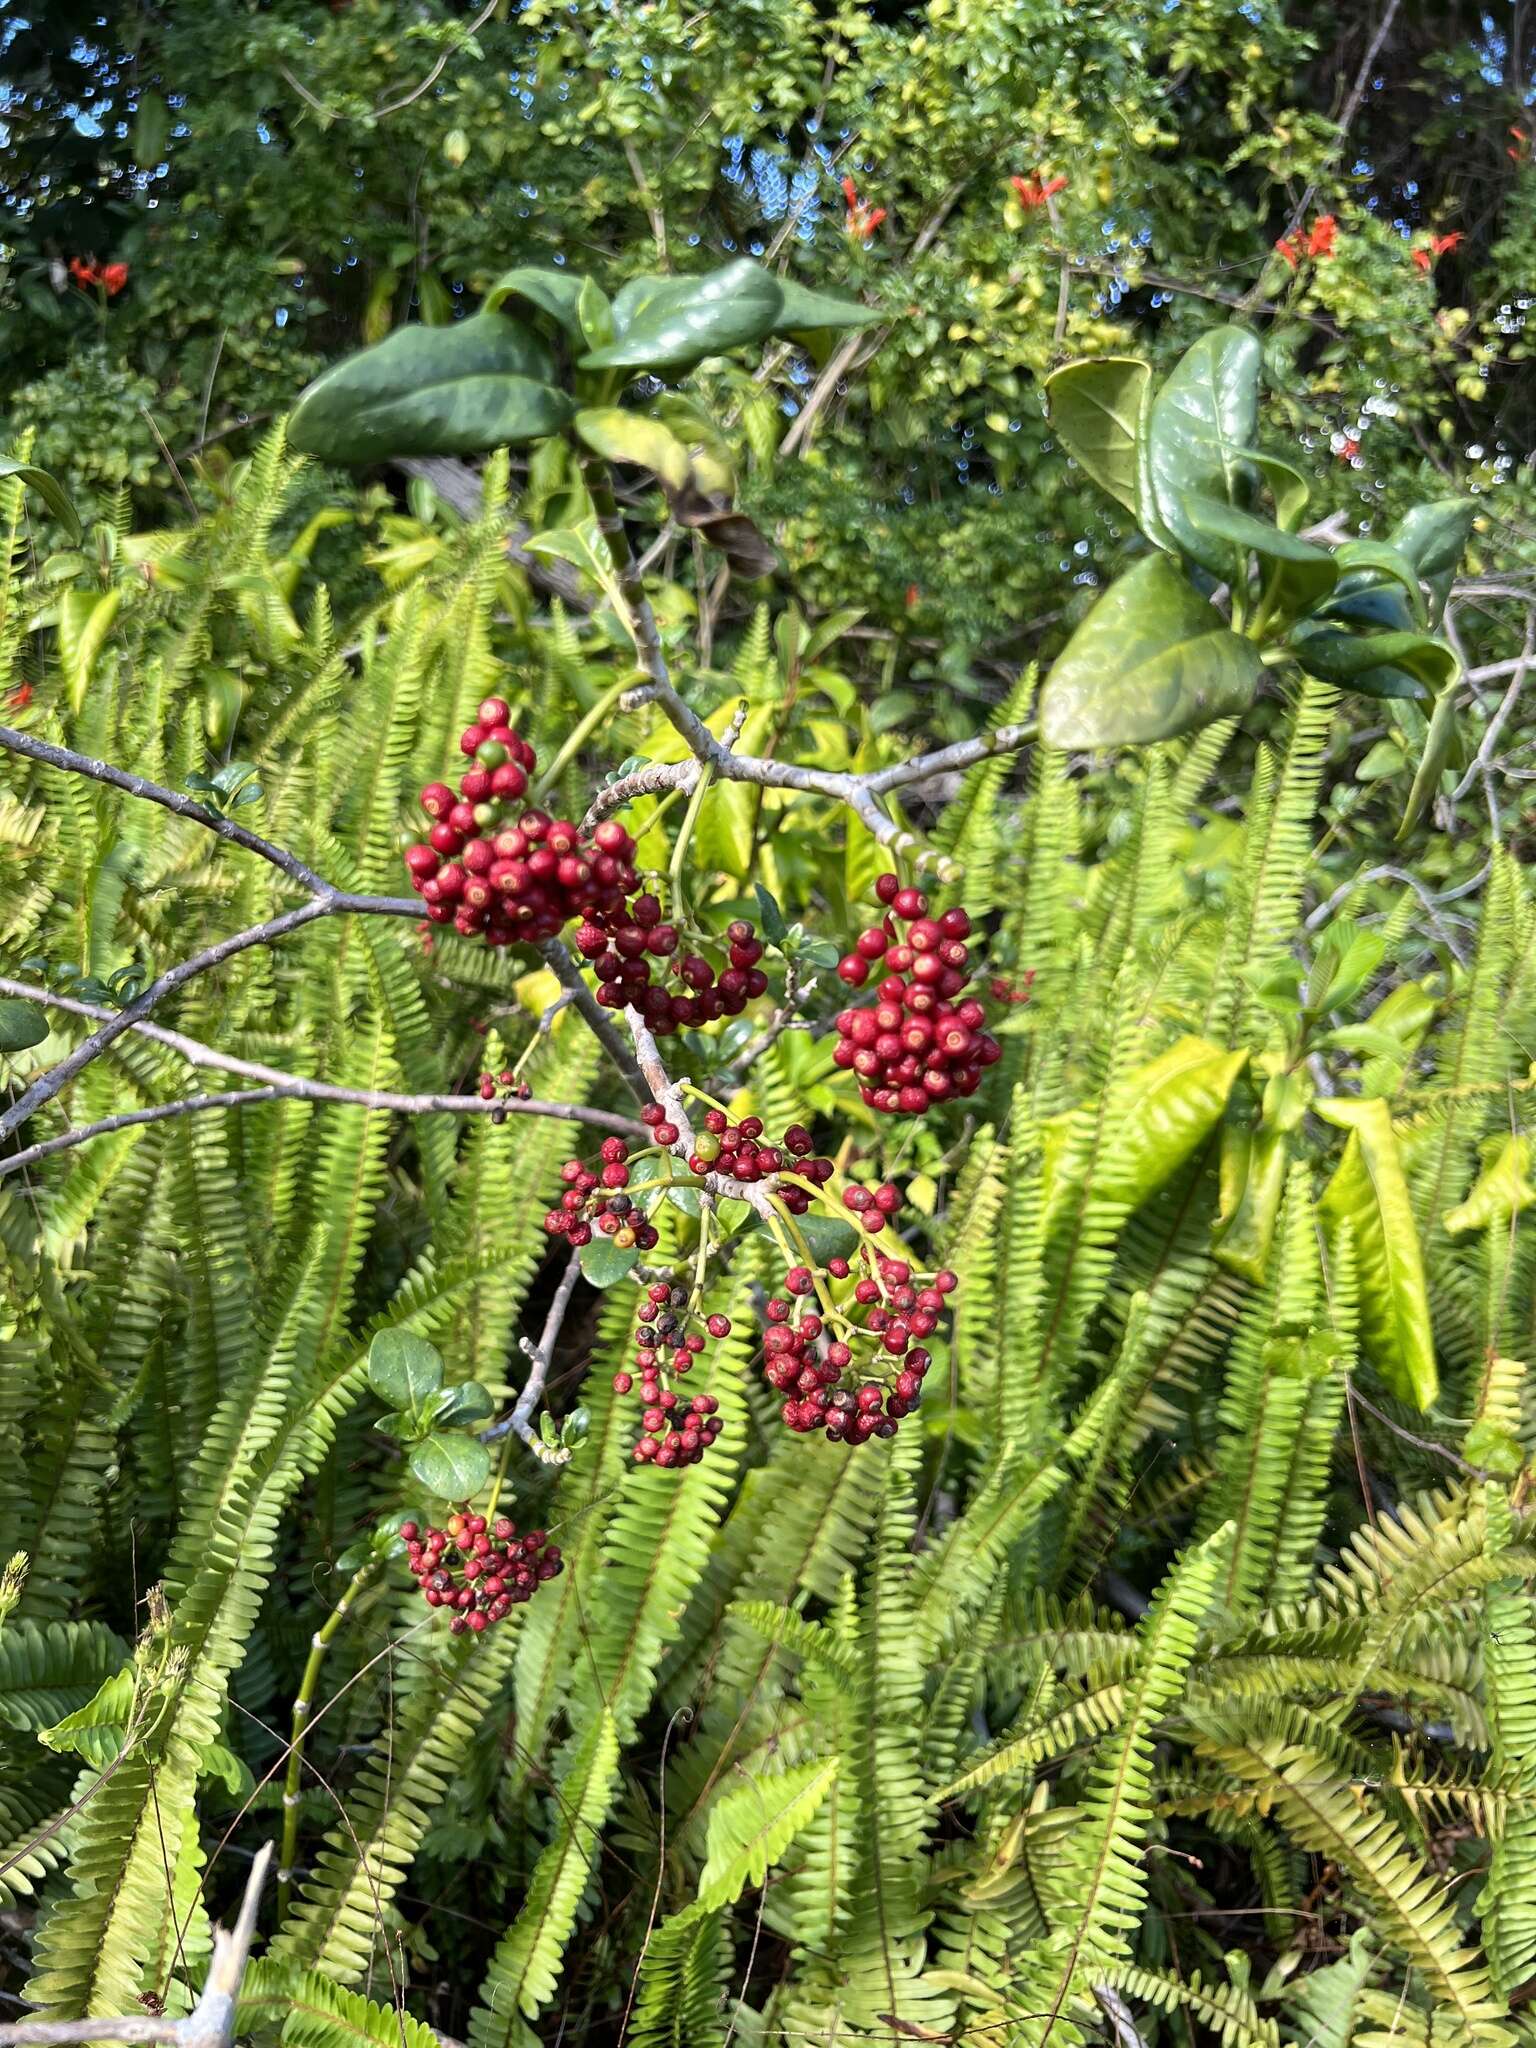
211,2022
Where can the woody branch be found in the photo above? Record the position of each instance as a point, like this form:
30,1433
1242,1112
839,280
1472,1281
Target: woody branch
211,2022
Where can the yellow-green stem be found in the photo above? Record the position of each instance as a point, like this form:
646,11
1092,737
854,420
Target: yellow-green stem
303,1706
585,727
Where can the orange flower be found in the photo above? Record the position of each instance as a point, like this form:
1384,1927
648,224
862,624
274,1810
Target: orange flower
1034,192
913,594
83,273
1318,240
863,219
1421,259
1443,243
114,277
1520,148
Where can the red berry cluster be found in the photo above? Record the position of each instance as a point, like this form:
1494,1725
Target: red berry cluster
597,1201
922,1041
511,882
617,946
480,1572
734,1149
499,1088
826,1384
672,1431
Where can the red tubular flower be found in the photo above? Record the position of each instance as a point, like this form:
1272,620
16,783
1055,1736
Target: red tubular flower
1442,244
1325,231
863,218
1287,246
1034,192
84,274
1421,259
1349,448
21,696
114,277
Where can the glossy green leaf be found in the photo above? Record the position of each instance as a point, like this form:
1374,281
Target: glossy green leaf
452,1467
48,488
1433,537
404,1369
1439,745
1375,664
1380,563
1096,408
1150,661
22,1025
1309,572
671,323
620,436
1369,1192
603,1263
1287,486
465,1406
555,293
826,1237
806,312
1200,423
457,390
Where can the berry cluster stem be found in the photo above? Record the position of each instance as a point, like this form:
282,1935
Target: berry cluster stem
303,1706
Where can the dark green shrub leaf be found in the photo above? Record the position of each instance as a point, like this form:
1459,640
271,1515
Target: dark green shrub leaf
456,390
671,323
1096,408
1376,664
1151,660
555,293
452,1467
1383,564
807,312
603,1264
22,1025
463,1407
404,1369
1434,536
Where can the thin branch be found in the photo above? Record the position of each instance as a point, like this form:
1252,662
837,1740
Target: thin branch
557,958
664,1090
858,792
1386,873
647,197
210,2024
1482,762
539,1358
1420,1443
280,1087
169,799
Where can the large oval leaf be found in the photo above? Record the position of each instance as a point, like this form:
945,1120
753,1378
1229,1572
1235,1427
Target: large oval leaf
1376,664
555,293
671,323
1201,423
458,390
806,312
1150,661
452,1467
21,1025
1297,571
1433,536
1369,1192
404,1369
1096,408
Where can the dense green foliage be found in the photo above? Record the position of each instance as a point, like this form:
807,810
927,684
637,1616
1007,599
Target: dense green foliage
1171,1676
